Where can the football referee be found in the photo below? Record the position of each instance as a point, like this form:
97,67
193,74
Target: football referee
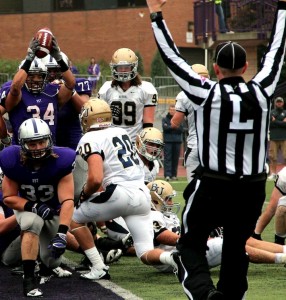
232,119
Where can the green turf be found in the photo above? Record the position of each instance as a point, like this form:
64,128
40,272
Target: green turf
266,282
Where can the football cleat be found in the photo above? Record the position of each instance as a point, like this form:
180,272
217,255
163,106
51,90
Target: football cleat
112,256
96,274
60,272
45,279
127,241
30,289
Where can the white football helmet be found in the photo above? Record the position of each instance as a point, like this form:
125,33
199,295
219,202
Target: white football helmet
95,113
162,194
149,143
124,57
54,69
35,129
36,68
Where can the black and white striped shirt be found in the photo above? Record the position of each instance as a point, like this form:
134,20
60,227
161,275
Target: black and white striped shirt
232,116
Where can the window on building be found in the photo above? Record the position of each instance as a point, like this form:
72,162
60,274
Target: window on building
11,6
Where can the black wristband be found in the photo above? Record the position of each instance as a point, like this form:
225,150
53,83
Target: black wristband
28,206
63,229
156,15
26,65
145,125
63,65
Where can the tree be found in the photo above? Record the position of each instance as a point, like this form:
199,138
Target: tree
140,63
158,67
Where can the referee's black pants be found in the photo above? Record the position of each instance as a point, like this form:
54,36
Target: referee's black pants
211,202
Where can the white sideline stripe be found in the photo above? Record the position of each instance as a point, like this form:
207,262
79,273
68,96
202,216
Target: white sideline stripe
125,294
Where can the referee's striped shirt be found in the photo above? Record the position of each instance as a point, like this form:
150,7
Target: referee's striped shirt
232,116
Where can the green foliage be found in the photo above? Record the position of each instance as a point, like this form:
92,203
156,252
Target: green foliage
9,66
158,67
140,63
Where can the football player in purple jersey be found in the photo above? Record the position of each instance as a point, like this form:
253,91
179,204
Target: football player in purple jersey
38,185
29,95
68,132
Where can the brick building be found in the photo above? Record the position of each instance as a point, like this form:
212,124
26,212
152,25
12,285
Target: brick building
98,33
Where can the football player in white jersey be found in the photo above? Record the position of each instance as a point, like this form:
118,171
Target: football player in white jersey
167,229
276,207
184,109
149,145
133,101
114,187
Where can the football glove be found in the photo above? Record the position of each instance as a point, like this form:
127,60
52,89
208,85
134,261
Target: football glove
33,47
217,232
43,210
58,245
56,51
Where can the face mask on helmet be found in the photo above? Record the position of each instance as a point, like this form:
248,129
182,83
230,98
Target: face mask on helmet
37,76
123,65
162,195
95,113
149,143
35,139
54,70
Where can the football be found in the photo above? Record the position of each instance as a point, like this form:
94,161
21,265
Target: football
45,37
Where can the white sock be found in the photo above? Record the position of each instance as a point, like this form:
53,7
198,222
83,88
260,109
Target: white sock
165,259
95,258
280,258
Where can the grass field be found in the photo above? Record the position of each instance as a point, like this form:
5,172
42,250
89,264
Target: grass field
266,281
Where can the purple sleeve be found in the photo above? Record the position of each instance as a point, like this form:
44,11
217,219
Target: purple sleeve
83,86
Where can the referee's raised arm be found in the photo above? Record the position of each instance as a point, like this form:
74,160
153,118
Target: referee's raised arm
232,121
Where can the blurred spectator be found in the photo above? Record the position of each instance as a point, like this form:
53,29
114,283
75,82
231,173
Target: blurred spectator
277,130
226,12
221,18
173,139
73,68
93,70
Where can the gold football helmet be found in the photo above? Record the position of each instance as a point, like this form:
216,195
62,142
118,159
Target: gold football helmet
201,70
162,194
149,143
95,113
124,64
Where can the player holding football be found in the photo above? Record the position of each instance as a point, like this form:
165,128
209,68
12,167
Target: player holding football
114,166
29,95
133,101
38,186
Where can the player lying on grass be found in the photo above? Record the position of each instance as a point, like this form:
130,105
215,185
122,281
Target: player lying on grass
166,227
